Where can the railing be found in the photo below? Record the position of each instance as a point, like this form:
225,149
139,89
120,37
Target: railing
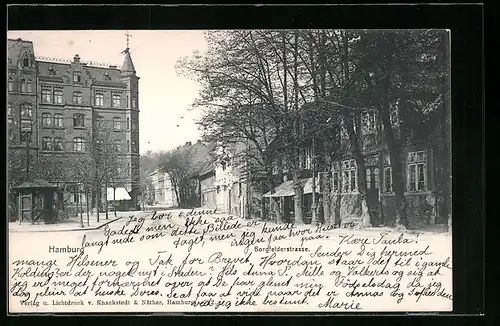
68,61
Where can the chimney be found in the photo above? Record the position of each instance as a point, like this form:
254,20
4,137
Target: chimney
188,143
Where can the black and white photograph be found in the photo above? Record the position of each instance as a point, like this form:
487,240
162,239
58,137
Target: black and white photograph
245,170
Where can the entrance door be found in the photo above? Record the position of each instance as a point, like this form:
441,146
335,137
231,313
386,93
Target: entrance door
372,196
26,208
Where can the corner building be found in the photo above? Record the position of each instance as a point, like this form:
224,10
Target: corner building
53,105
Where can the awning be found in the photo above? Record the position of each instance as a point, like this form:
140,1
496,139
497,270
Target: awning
286,188
120,194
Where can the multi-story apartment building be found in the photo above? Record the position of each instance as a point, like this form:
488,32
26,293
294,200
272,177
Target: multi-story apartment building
53,106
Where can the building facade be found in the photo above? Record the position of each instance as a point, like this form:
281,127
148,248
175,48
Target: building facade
53,107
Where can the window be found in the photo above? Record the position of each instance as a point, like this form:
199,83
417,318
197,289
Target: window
77,98
336,185
116,100
372,178
369,122
78,144
134,149
58,120
58,144
116,123
349,170
133,102
9,115
26,111
77,77
46,98
128,123
24,86
128,146
26,117
46,144
134,125
343,129
99,99
26,62
46,120
305,158
117,144
388,187
58,97
78,120
417,162
393,114
388,180
11,84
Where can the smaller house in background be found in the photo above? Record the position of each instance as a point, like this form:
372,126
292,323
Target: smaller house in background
207,188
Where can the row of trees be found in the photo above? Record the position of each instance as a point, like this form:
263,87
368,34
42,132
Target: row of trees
181,166
258,87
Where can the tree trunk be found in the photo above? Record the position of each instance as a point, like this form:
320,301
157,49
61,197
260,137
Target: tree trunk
98,202
327,189
356,142
297,202
114,200
81,206
106,198
397,168
87,200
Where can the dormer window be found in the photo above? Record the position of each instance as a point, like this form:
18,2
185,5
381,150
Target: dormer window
26,62
52,71
77,77
106,75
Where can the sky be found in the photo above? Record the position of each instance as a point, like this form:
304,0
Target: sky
164,97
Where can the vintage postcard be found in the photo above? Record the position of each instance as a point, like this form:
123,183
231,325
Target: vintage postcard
229,171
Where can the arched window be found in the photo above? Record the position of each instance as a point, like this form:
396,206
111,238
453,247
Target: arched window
78,120
46,97
58,120
24,86
9,113
77,77
46,120
11,84
77,98
58,96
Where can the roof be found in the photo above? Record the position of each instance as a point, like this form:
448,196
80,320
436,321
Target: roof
120,194
286,189
15,48
36,183
128,65
97,73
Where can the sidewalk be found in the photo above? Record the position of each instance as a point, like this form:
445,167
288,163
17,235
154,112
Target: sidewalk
70,224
